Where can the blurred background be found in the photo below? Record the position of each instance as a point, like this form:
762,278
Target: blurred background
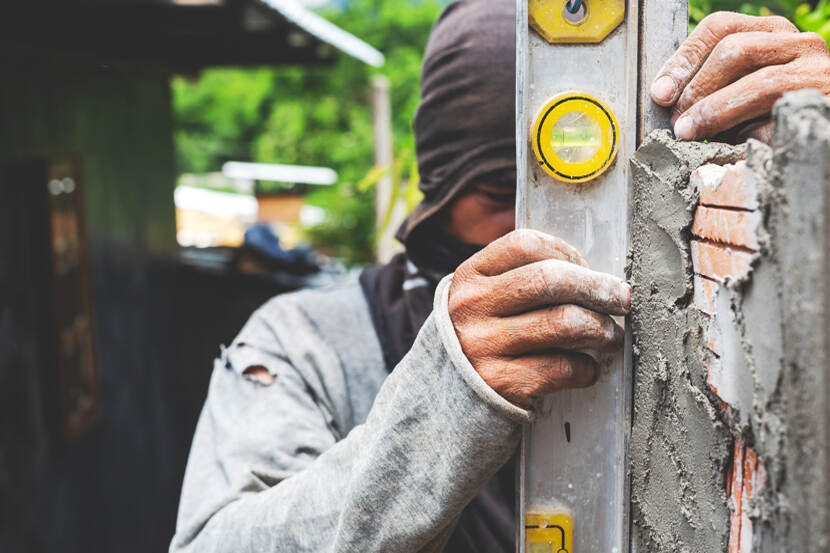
166,166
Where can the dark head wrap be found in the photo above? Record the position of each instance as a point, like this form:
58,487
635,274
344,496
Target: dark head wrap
464,129
465,126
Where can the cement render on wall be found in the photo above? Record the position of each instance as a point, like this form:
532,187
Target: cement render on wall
796,438
679,446
774,346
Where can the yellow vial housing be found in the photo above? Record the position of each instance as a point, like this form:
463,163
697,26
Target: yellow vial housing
548,533
548,18
575,137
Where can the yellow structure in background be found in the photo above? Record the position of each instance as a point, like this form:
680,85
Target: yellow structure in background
592,23
548,533
201,229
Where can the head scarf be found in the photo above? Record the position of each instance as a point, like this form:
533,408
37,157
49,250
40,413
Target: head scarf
464,130
465,125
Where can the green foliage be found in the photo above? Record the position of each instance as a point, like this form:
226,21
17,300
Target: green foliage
808,16
405,179
321,115
318,115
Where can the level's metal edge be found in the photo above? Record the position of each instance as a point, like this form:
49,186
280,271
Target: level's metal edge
521,124
633,20
521,222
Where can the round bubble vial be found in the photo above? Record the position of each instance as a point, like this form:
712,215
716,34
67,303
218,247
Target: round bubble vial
576,138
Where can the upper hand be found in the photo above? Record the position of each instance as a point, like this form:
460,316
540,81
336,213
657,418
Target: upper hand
526,307
733,68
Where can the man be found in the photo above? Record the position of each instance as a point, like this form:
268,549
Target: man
382,416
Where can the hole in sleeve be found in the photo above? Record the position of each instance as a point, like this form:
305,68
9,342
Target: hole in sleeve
258,373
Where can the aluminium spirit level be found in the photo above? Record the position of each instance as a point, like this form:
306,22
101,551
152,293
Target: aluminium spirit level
584,69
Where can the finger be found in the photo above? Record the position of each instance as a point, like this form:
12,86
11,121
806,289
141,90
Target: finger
736,56
556,282
545,373
563,327
749,97
762,131
679,70
521,247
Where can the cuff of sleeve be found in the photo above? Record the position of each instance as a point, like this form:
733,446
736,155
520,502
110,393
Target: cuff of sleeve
446,331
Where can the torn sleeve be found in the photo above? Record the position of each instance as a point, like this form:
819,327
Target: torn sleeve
267,472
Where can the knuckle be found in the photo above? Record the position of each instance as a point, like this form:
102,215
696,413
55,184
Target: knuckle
475,340
509,383
733,48
464,273
539,280
718,22
462,301
565,319
781,22
776,80
524,241
705,116
814,41
682,67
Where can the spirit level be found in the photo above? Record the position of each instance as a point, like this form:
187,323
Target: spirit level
583,74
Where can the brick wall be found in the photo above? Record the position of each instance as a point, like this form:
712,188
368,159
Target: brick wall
730,443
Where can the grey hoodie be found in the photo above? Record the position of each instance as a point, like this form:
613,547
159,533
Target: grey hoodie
335,454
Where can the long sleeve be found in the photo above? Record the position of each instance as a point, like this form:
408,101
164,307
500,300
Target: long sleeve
269,470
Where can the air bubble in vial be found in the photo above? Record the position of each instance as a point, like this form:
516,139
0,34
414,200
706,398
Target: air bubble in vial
576,137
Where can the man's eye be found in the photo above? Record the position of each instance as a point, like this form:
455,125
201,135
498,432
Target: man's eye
506,196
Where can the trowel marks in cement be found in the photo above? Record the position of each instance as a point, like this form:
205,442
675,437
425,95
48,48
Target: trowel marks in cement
778,352
679,446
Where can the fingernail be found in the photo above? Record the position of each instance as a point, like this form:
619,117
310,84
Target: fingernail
662,89
626,296
684,129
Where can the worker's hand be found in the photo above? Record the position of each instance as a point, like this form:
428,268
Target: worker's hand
733,68
526,307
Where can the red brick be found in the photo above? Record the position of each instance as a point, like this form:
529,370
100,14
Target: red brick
718,262
750,470
737,228
725,186
744,478
735,485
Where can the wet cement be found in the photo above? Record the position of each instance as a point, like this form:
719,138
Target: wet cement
680,446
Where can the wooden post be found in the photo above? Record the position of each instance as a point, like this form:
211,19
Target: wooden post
387,246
